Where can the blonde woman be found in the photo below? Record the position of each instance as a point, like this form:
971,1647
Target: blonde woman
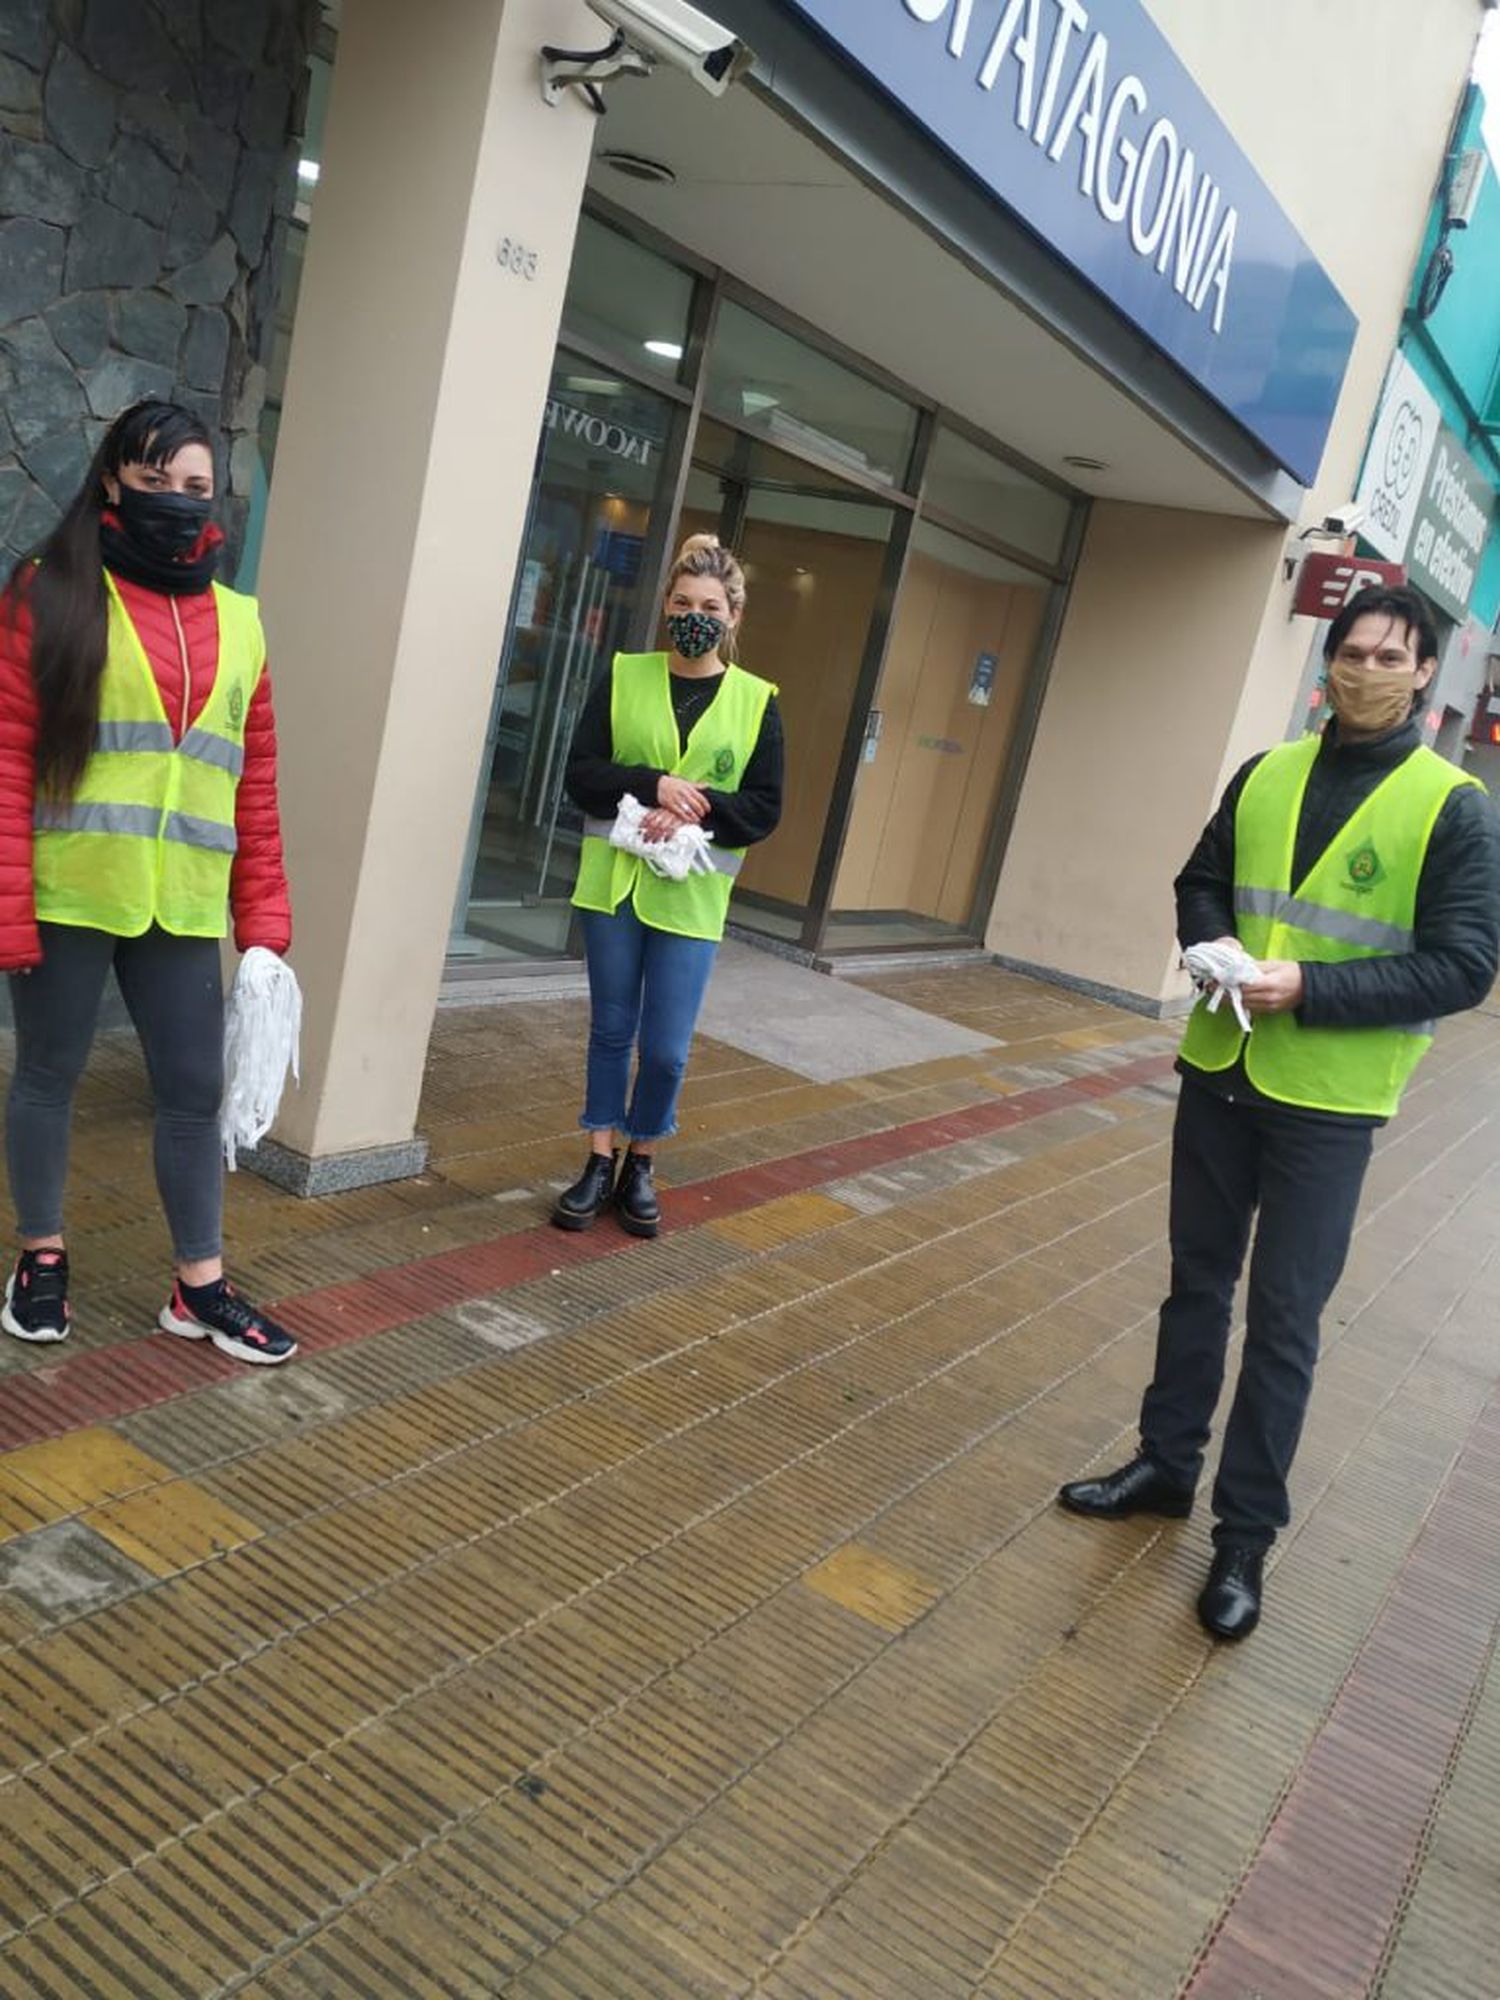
696,739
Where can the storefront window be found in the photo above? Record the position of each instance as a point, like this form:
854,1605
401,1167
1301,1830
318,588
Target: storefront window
789,393
981,490
786,461
601,477
627,299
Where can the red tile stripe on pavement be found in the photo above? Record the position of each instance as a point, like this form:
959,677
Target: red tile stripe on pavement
136,1374
1318,1909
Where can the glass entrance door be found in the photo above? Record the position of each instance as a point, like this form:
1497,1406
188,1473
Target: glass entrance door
601,471
939,749
814,550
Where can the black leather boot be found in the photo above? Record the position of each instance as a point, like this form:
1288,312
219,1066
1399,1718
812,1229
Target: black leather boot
581,1205
1138,1488
635,1196
1230,1604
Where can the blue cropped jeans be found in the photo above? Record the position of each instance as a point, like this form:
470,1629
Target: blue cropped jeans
646,987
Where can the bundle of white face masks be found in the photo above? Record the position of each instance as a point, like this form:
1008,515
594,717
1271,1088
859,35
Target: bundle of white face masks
685,853
1221,968
262,1038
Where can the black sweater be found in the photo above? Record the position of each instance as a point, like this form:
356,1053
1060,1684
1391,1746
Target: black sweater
596,783
1457,948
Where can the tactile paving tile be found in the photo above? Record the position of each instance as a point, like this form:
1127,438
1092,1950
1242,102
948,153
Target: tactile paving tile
715,1633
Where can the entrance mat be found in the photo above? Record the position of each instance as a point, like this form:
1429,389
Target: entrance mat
817,1027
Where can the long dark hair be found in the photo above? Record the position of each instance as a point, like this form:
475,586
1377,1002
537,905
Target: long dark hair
62,583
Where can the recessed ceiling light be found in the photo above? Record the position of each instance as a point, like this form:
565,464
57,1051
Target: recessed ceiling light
637,167
669,350
1081,462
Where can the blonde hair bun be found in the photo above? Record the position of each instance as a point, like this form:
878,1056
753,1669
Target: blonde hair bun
695,544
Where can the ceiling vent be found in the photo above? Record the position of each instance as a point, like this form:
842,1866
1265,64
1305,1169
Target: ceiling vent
636,167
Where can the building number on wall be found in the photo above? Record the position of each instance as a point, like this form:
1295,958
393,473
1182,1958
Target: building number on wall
517,259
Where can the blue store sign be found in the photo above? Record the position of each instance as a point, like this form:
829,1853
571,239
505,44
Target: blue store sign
1083,121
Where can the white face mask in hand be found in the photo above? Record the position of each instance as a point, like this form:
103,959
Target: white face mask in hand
1220,968
685,853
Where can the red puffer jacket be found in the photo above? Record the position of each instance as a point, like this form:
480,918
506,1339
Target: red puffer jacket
184,670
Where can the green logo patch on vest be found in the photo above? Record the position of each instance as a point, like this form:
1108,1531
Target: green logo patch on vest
237,704
1365,868
724,763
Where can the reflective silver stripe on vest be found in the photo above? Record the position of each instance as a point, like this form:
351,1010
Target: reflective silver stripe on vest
207,748
133,736
1342,925
144,821
200,833
724,864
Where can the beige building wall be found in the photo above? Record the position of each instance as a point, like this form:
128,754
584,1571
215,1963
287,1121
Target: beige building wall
418,375
1178,657
1147,681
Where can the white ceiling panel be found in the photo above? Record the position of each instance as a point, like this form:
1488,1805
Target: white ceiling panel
756,194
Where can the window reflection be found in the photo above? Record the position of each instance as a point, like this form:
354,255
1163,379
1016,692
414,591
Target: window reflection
602,470
987,492
790,394
627,298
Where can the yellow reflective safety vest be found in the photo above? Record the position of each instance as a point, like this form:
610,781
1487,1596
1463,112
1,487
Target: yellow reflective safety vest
148,837
1357,901
719,746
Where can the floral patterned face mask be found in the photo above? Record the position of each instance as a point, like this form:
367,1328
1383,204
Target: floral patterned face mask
695,634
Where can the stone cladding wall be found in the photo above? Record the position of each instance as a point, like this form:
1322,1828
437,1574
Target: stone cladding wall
148,164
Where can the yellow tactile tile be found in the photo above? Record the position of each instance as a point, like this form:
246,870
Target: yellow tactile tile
783,1221
867,1584
23,1508
171,1527
80,1470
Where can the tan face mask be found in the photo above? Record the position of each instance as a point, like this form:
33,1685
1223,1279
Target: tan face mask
1370,700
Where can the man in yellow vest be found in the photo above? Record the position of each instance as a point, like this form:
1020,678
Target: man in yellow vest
1362,873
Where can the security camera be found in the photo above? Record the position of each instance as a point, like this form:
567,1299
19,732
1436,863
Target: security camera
648,32
1344,520
670,31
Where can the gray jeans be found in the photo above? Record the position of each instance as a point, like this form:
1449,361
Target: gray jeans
174,992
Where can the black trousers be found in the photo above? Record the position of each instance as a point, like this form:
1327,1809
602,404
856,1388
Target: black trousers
172,988
1303,1175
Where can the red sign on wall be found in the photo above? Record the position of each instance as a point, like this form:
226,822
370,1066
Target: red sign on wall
1325,583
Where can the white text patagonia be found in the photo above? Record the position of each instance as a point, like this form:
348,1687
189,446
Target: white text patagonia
1177,216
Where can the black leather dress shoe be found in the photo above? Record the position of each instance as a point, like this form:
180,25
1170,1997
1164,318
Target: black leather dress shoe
1230,1603
1138,1488
635,1196
581,1205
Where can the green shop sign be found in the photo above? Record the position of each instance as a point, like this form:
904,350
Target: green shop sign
1451,527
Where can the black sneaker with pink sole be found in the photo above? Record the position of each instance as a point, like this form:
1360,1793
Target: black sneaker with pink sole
233,1325
36,1297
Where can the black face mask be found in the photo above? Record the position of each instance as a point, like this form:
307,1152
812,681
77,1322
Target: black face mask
163,525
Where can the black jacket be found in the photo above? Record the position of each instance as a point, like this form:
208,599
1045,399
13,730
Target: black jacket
1457,947
596,783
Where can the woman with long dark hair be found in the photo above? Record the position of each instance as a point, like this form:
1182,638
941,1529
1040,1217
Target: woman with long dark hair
137,809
